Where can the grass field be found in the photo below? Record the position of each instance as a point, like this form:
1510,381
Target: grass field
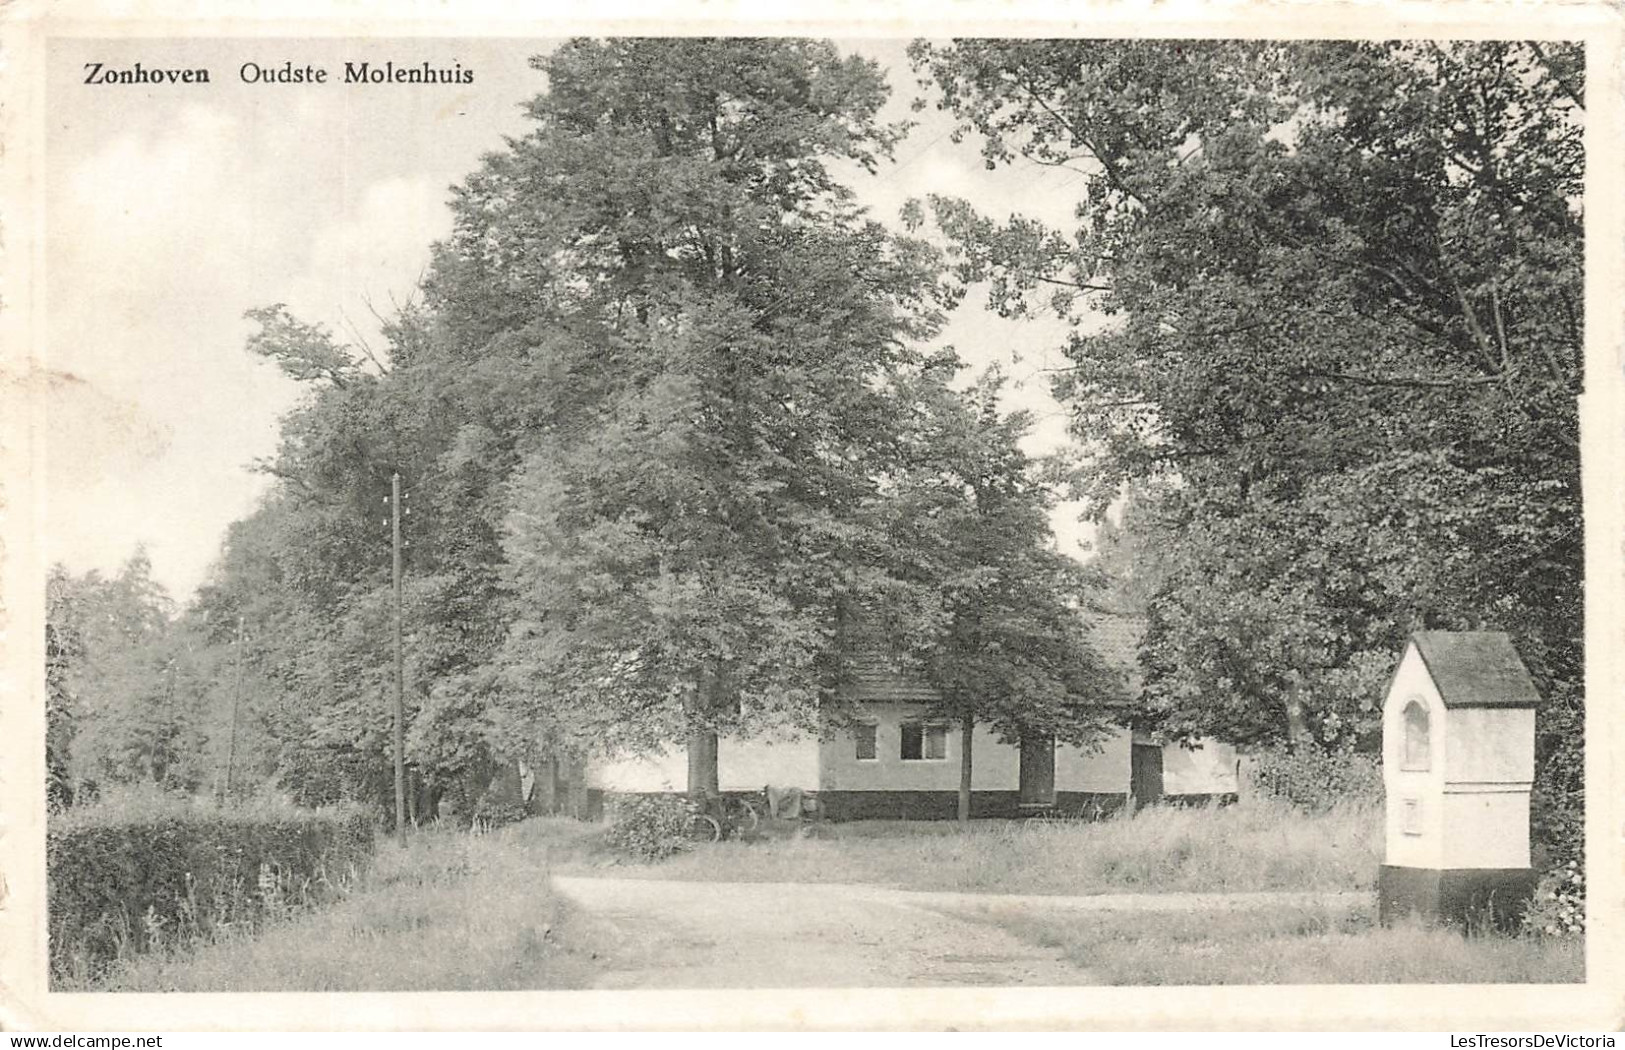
1257,847
1287,946
453,912
461,912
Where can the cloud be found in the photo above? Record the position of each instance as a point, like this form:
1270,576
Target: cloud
375,254
160,238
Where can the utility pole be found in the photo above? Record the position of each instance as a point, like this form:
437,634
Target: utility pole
236,698
400,673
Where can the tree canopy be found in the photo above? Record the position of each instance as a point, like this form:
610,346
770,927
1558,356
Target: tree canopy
1327,297
655,412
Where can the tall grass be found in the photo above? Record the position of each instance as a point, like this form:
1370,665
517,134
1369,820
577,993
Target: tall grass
1263,845
1286,946
453,912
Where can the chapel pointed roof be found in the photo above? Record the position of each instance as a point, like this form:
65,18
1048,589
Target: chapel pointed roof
1476,668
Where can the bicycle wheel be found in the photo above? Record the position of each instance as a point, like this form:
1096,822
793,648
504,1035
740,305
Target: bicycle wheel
702,827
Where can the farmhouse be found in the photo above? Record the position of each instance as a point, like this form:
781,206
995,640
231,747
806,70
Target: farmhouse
894,762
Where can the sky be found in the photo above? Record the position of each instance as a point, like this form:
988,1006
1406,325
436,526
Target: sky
173,209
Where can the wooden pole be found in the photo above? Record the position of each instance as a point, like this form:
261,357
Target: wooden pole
236,698
400,674
967,729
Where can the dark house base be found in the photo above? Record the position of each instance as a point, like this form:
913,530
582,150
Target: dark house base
934,805
1460,897
944,805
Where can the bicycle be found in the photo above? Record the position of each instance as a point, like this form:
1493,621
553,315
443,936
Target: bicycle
1087,813
743,815
717,817
701,826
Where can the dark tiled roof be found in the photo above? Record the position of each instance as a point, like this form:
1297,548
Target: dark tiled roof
1476,669
876,677
1117,640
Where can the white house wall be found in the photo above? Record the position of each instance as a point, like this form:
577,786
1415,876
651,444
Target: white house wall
832,764
752,764
1103,771
663,771
995,764
743,764
1207,769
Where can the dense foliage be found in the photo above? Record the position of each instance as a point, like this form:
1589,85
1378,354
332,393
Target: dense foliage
134,693
1327,304
649,827
1316,780
999,628
1559,905
669,427
662,414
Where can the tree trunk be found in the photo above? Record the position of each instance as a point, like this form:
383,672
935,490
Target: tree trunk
702,737
702,742
702,763
966,727
545,799
1297,727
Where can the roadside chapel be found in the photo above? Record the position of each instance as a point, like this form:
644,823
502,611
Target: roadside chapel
1458,732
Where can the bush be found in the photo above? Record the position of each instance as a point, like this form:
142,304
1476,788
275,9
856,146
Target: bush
1556,826
1559,907
1314,780
131,879
649,827
493,813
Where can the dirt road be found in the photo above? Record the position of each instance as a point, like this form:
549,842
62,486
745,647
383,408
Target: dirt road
667,934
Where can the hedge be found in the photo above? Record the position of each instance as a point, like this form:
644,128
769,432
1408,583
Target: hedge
122,882
649,827
1316,780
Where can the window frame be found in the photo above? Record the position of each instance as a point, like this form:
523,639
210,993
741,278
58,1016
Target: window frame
1410,743
925,728
873,729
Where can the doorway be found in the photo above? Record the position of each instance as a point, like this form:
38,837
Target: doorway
1145,774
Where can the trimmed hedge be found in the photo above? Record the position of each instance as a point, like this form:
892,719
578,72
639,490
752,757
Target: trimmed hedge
123,882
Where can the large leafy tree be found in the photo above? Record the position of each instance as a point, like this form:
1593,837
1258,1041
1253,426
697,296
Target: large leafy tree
64,651
694,325
636,415
130,693
1330,293
308,574
1003,637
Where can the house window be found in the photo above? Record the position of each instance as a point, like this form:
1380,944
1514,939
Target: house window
923,742
1415,755
864,734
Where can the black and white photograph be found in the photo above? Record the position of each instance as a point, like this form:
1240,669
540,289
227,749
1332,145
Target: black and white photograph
772,514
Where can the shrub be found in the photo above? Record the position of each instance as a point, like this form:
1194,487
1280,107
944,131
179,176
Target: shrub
493,813
1556,826
1314,780
649,827
1559,907
137,878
